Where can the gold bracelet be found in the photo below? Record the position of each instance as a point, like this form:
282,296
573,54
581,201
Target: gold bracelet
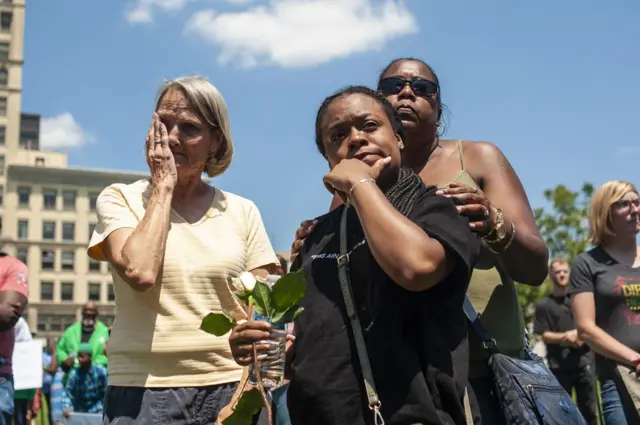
360,181
499,223
509,242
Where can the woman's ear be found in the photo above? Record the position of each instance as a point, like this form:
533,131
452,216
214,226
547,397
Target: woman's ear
399,142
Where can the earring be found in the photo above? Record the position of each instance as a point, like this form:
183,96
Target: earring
401,145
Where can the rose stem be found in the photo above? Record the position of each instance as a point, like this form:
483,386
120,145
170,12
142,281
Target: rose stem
256,368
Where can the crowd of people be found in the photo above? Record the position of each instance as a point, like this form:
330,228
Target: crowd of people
421,223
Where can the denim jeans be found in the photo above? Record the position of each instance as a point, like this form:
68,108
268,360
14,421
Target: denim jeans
280,412
6,399
612,410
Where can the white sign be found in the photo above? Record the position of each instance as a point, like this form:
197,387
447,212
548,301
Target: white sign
27,365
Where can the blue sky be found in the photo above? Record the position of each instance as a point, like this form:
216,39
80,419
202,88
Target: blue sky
555,84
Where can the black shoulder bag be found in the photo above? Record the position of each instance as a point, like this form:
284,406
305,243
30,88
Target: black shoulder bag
527,390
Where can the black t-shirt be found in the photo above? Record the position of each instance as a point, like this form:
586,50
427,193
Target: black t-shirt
553,314
416,341
616,291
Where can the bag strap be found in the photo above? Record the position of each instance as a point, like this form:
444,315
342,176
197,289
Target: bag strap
474,320
356,327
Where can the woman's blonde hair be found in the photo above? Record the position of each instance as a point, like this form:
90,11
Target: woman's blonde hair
212,108
600,210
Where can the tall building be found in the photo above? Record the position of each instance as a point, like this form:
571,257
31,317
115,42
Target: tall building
47,209
48,218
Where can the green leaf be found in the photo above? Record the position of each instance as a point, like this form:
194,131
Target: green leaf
262,299
249,404
289,290
287,316
256,307
217,324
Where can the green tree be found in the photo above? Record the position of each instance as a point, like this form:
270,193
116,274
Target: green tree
564,228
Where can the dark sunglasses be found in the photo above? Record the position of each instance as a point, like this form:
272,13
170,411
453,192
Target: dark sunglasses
420,86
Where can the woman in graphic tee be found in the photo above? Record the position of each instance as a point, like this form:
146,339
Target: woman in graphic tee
411,256
605,288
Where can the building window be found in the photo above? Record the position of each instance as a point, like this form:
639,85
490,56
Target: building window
111,293
46,291
3,106
92,227
69,231
48,230
4,77
66,291
94,265
93,200
24,193
94,292
49,198
54,322
68,260
4,51
48,259
23,229
3,132
1,165
69,199
22,254
40,161
5,21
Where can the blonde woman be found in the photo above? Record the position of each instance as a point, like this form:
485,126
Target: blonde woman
604,285
174,244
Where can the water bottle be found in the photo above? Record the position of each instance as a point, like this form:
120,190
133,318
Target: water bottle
271,367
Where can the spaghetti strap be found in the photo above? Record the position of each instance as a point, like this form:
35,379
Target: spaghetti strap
460,154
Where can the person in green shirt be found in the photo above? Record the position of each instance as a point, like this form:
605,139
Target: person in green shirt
89,330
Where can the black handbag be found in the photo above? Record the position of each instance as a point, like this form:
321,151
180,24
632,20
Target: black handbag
527,391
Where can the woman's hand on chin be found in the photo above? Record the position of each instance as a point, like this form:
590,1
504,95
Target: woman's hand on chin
348,173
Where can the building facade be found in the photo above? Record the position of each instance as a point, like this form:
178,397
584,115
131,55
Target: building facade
47,221
47,210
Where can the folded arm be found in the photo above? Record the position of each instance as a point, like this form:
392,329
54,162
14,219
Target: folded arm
405,252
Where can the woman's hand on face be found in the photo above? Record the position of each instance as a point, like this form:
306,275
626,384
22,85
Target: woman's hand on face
348,172
305,229
159,156
242,338
482,216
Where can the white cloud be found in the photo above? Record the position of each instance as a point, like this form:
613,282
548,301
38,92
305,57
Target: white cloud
141,11
61,132
302,33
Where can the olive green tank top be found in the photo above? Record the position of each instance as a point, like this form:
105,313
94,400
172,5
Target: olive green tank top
494,296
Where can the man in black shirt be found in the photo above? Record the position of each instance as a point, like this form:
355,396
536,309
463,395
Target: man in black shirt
569,358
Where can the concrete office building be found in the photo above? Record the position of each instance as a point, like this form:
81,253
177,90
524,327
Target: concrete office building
47,209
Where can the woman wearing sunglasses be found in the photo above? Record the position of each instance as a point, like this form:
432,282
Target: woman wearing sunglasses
480,176
397,295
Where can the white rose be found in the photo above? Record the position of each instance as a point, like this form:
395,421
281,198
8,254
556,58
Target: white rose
246,282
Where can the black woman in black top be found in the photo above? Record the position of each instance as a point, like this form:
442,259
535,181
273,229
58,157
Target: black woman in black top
411,256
